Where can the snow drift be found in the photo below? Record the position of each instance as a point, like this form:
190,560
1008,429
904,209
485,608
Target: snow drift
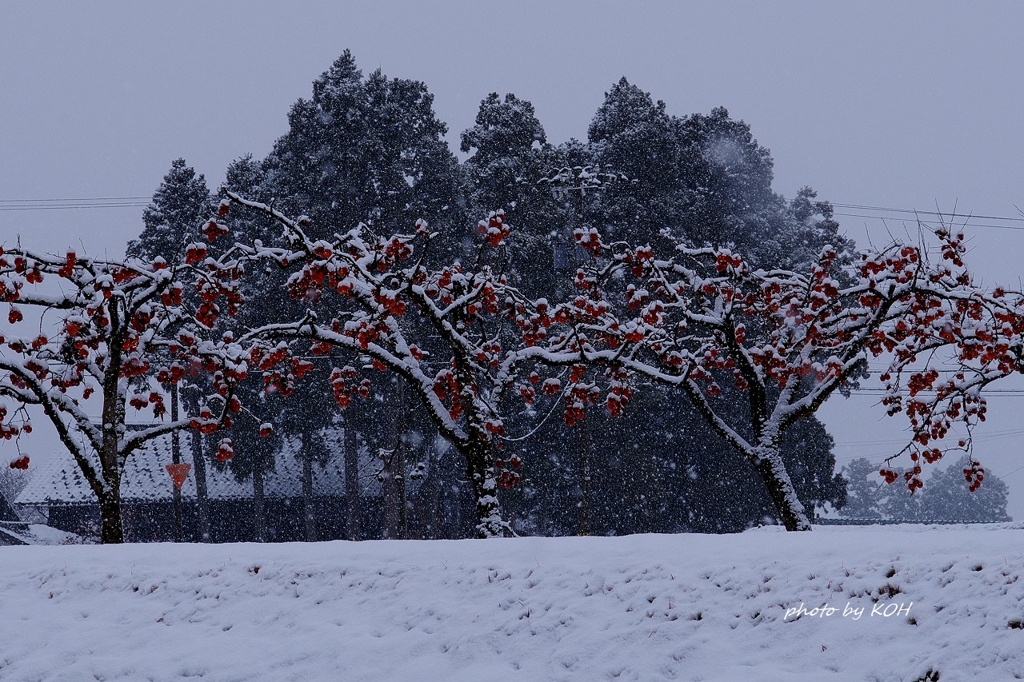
688,607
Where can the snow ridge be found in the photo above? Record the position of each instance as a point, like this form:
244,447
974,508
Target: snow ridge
689,607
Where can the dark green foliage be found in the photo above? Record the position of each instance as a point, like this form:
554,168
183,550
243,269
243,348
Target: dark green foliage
658,468
369,149
507,144
180,206
365,150
510,156
632,135
863,490
701,179
944,498
360,150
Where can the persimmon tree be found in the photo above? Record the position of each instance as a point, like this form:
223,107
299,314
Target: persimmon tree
90,336
457,333
705,321
940,368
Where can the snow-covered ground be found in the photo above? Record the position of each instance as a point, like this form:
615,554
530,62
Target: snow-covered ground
687,607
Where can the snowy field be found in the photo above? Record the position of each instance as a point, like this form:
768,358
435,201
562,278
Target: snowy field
686,607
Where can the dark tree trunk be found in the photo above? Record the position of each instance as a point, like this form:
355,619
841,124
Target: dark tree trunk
175,459
191,405
307,488
783,494
112,416
259,521
111,527
352,506
394,471
430,508
394,493
765,455
476,450
202,495
481,476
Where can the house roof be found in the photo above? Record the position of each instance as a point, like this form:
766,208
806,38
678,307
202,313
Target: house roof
6,510
145,478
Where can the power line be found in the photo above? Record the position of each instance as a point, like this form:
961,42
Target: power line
901,218
1002,392
893,446
72,204
109,202
41,201
993,435
865,207
63,208
873,213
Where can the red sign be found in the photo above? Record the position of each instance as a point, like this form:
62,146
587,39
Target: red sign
178,472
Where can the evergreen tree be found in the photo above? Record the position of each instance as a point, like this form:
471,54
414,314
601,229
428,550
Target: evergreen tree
727,195
863,490
703,179
946,499
359,150
369,149
180,206
253,447
632,135
898,505
686,478
365,150
506,144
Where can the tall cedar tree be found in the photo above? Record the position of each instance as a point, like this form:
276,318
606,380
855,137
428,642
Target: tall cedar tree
662,163
361,150
365,150
174,217
179,208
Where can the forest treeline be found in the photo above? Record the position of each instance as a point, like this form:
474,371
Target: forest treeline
667,323
369,149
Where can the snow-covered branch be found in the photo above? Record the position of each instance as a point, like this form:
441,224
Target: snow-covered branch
122,329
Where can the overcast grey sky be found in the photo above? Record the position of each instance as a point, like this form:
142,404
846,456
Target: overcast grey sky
885,104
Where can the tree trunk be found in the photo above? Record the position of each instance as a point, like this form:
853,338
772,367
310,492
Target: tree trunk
307,488
191,405
113,422
111,522
780,489
481,476
394,470
584,447
111,528
202,495
259,521
175,459
352,506
394,493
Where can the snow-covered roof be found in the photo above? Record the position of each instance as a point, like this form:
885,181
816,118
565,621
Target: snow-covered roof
12,533
145,477
6,511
